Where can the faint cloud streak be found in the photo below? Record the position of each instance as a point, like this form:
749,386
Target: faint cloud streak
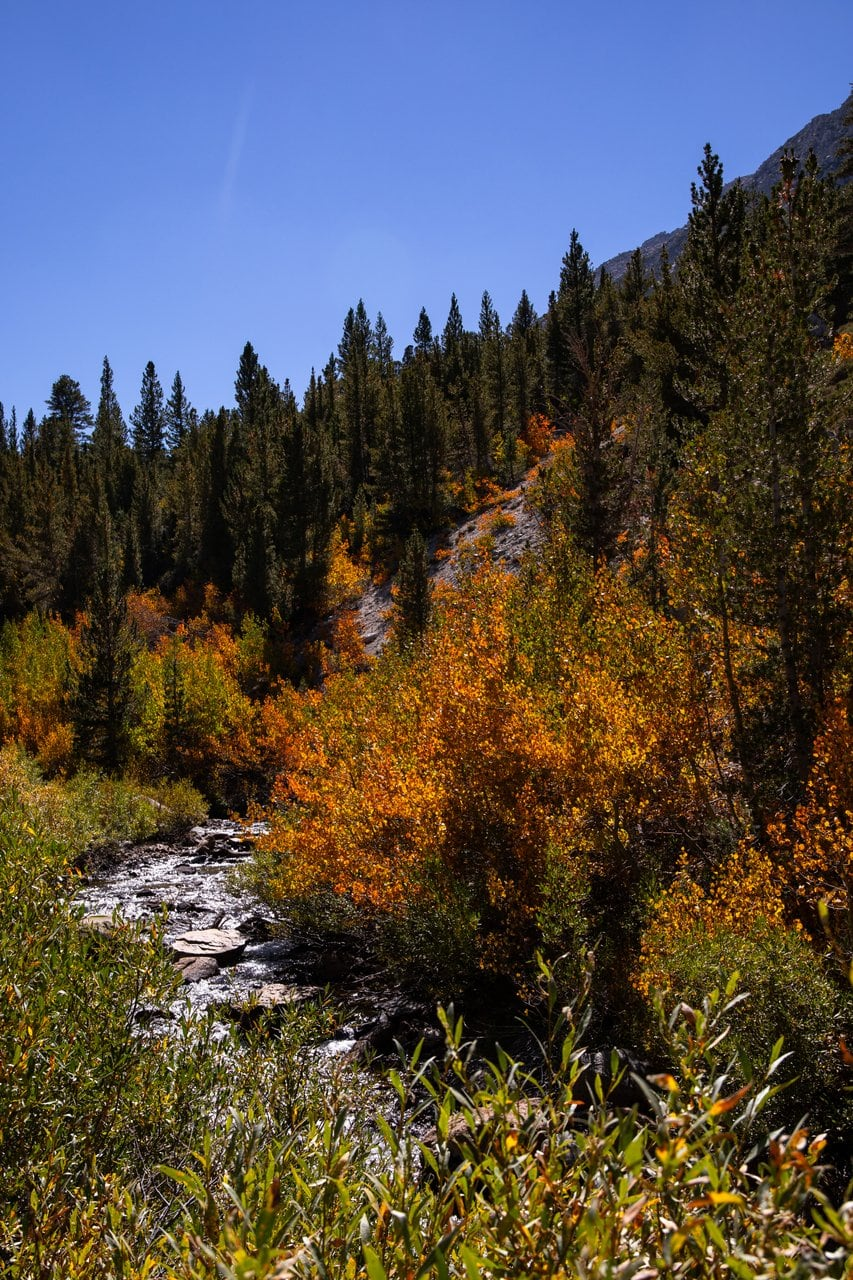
235,151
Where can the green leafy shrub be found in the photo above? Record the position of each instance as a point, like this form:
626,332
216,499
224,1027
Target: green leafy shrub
90,809
791,997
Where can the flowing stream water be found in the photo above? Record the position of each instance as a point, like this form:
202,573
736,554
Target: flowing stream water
193,886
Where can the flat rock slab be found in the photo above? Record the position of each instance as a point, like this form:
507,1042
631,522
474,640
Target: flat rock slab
272,999
279,995
196,969
221,945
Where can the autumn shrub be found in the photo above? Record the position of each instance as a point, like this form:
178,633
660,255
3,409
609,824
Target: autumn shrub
697,938
498,522
842,347
194,719
813,847
519,1178
541,720
89,809
539,435
90,1104
138,1155
37,671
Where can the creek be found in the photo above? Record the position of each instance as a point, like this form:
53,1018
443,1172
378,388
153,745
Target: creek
192,884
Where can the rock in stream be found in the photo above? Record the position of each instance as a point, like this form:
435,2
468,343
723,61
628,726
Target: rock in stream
230,955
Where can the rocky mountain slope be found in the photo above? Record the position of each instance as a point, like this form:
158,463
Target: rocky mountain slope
822,135
503,532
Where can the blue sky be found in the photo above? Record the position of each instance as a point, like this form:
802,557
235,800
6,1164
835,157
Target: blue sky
180,177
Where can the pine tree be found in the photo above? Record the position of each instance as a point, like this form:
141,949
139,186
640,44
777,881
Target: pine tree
180,416
574,304
216,546
246,380
843,250
423,334
413,595
763,499
109,445
458,370
149,417
104,699
494,383
253,493
420,447
525,361
383,347
69,417
577,286
709,271
359,398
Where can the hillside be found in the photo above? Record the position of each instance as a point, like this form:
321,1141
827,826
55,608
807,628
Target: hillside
823,135
506,530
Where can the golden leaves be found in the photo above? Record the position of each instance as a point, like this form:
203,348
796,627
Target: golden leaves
460,767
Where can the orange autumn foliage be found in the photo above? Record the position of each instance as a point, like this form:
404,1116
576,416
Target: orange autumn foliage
538,435
744,890
458,770
38,657
814,848
347,641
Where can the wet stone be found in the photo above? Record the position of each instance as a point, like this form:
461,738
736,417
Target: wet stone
222,945
196,969
270,1000
102,924
255,929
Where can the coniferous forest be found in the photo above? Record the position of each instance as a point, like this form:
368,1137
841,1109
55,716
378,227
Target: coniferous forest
611,789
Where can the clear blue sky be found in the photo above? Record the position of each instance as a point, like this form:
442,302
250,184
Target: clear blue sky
181,176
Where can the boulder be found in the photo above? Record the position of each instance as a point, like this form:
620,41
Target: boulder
195,969
255,929
102,924
222,945
270,1001
280,995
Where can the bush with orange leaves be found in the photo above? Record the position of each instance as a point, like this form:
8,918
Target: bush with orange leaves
687,917
444,783
38,658
698,938
842,347
814,847
538,435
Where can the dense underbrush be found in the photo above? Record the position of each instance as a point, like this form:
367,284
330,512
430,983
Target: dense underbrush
134,1155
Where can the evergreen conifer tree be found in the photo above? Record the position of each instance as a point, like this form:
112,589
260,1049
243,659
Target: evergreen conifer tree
104,698
109,445
413,592
69,416
149,417
180,416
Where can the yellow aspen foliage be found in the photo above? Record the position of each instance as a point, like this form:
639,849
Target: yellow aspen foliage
538,435
744,890
814,848
842,347
462,769
38,656
345,578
